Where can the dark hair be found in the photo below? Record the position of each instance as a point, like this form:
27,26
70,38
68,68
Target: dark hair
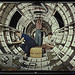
39,20
17,31
50,33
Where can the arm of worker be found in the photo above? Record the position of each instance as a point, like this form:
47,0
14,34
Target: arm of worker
43,29
18,42
51,45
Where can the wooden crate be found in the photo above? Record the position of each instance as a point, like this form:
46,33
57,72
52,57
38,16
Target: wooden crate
36,52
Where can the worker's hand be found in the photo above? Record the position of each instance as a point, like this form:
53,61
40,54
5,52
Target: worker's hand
25,54
10,43
22,40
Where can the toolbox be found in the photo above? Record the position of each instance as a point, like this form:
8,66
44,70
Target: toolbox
36,52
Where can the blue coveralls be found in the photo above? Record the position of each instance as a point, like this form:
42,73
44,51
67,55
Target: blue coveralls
29,43
38,37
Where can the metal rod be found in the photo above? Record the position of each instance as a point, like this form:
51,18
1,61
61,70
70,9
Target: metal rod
64,27
8,27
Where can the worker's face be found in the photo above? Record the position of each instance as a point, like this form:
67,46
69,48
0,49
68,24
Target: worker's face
38,22
18,34
50,35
